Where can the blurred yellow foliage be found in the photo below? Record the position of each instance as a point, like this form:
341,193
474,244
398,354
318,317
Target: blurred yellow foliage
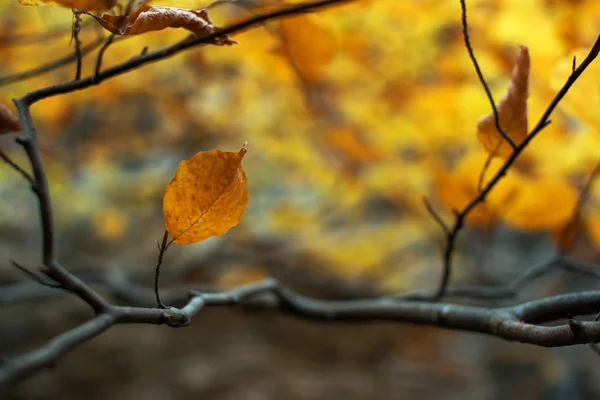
354,115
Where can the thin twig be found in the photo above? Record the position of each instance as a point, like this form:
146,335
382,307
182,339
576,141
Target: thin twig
75,36
436,217
16,167
161,252
488,92
50,66
100,57
111,38
34,276
486,166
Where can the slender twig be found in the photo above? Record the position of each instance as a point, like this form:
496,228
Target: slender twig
50,66
75,36
488,92
35,276
100,57
111,38
161,252
16,166
486,166
460,216
434,214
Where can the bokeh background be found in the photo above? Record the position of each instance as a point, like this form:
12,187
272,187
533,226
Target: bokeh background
352,116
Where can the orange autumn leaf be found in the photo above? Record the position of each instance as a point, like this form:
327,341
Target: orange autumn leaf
85,5
155,18
512,111
207,197
309,46
8,120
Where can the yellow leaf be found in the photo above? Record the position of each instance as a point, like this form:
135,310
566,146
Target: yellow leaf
207,197
111,223
309,45
512,111
8,120
542,203
85,5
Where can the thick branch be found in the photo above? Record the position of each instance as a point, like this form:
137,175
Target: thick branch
40,186
26,365
511,323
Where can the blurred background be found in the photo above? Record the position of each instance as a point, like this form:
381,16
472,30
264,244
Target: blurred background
352,116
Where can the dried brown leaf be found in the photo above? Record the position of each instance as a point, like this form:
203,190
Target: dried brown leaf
155,18
512,111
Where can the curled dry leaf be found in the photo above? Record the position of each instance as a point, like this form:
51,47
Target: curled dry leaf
512,111
8,120
207,197
85,5
155,18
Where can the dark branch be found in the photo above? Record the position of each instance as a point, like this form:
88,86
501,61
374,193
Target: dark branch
517,323
28,364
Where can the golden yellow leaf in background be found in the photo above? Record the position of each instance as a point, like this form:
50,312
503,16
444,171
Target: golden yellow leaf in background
309,46
85,5
8,120
207,197
512,111
542,203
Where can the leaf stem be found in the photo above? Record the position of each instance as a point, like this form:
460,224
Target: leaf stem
161,252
